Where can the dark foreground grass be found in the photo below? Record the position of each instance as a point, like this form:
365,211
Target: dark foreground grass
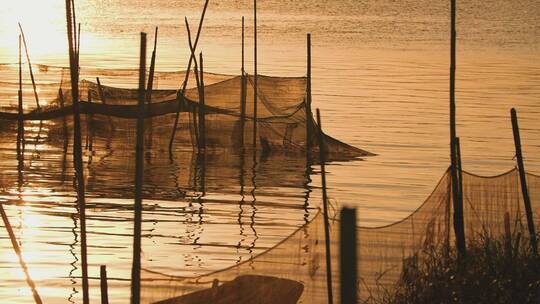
495,271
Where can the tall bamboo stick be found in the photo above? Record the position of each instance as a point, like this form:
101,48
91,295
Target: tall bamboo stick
150,87
20,121
202,110
136,267
308,96
459,227
181,96
255,79
18,252
196,121
243,87
30,67
322,157
523,179
77,152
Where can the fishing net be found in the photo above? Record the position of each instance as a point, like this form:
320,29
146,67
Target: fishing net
294,270
226,120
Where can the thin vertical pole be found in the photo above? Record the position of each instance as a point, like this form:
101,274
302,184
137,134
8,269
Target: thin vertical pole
77,151
150,87
308,96
103,284
348,256
523,179
180,95
255,78
459,169
20,121
18,252
243,89
459,227
30,67
325,211
136,267
202,110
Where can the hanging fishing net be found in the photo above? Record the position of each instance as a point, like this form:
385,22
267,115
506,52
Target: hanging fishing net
283,121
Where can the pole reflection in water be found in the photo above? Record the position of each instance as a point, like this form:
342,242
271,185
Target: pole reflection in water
195,206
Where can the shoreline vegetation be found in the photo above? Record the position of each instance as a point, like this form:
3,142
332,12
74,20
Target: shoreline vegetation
496,270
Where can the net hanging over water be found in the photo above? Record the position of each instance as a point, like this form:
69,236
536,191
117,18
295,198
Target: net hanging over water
293,271
284,121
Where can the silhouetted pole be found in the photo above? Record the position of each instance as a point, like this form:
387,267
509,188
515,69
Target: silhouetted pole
180,95
20,121
77,151
255,78
150,88
523,179
348,256
18,252
322,157
136,267
103,284
243,89
30,68
202,110
459,227
308,96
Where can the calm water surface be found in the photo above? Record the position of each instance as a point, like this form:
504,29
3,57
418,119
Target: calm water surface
380,77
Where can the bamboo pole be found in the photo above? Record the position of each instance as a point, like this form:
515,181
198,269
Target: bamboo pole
18,252
348,256
255,79
459,227
30,67
180,96
243,86
308,96
196,121
202,110
20,121
77,152
150,87
103,284
325,211
523,180
136,267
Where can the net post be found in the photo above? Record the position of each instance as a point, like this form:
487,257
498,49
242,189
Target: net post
103,284
325,211
308,96
243,88
459,227
20,120
523,180
149,89
202,110
348,256
136,267
30,67
255,78
180,94
77,150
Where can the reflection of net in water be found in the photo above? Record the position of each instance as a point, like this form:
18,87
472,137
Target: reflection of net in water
282,115
299,259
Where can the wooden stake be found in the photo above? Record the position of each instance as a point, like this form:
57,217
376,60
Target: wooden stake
202,110
255,79
196,121
104,286
18,252
136,268
30,68
150,87
77,152
348,256
308,96
180,96
523,179
243,86
459,227
20,121
325,211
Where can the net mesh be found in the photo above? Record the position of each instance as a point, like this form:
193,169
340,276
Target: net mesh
294,270
283,120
